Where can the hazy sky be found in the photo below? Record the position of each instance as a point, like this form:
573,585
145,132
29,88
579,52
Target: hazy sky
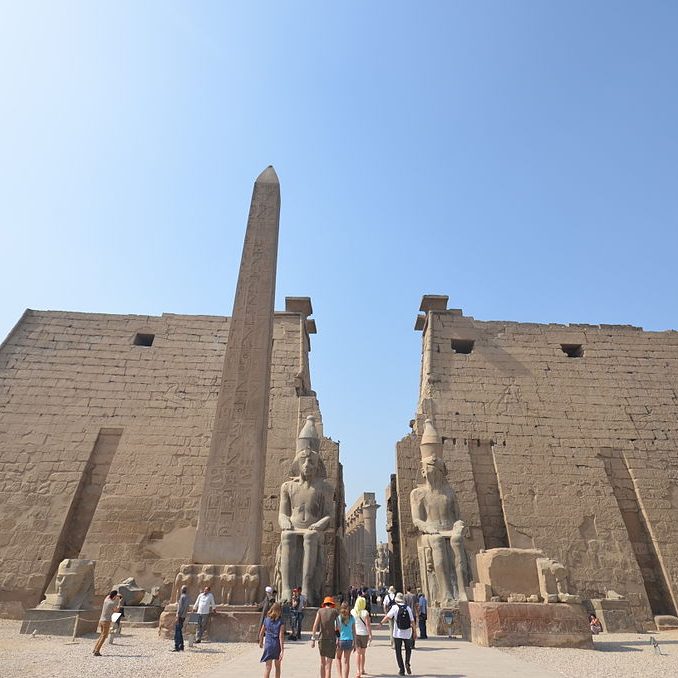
521,157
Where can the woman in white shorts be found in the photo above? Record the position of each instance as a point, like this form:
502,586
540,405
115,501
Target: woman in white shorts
363,632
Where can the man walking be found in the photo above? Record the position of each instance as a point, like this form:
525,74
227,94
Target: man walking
204,605
182,609
423,614
404,632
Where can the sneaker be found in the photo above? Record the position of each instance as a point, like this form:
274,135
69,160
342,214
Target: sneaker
97,654
196,642
401,673
409,670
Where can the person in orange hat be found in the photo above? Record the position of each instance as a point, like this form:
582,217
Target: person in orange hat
324,629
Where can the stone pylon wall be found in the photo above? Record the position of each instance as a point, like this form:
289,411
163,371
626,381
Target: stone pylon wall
83,410
574,455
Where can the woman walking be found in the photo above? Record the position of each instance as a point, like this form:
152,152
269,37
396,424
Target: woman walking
323,626
272,639
346,641
363,632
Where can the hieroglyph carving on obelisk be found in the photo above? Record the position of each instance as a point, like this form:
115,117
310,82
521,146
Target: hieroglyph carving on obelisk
230,521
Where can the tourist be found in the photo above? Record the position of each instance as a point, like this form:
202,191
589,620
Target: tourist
272,639
345,625
363,632
204,605
404,631
411,602
269,599
595,625
298,605
324,628
388,602
111,605
182,609
422,603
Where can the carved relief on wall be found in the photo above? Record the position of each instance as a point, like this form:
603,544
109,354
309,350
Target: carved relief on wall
230,584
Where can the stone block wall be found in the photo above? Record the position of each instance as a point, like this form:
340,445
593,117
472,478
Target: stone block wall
103,442
560,437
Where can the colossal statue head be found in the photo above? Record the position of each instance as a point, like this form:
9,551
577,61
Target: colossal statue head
307,462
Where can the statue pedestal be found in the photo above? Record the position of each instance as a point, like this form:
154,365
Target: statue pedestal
615,615
138,615
60,622
435,621
513,624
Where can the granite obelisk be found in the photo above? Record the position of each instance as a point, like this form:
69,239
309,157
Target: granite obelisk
230,520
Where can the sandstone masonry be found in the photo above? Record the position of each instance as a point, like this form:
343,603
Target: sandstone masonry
105,425
557,437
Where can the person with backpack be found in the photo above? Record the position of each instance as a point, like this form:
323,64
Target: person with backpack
388,602
404,632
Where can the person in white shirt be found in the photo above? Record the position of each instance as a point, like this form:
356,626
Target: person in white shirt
204,605
404,633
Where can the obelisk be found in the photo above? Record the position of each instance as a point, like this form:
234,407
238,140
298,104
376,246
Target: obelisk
231,509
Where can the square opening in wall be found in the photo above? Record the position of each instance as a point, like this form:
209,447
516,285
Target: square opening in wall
462,345
143,339
573,350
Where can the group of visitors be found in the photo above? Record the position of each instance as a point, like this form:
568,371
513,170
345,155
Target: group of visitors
341,632
338,632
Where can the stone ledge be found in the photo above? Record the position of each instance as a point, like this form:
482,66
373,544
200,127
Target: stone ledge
514,624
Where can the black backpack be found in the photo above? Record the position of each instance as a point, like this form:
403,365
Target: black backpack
388,602
403,618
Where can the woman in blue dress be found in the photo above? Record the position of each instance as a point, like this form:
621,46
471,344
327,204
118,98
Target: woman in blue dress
272,639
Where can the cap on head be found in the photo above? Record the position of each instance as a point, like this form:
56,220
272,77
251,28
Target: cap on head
391,589
268,589
328,601
400,599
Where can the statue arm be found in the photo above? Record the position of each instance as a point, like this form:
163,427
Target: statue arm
321,524
419,513
285,510
327,505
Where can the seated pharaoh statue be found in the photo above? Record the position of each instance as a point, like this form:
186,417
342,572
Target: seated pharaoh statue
306,507
443,561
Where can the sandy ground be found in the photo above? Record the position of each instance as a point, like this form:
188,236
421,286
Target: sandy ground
138,652
618,655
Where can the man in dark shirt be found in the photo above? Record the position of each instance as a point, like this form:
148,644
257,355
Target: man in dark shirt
182,610
411,601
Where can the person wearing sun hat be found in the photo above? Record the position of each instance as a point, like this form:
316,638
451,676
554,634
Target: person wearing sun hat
324,623
404,631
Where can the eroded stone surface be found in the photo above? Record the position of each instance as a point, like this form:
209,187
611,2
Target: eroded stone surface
512,624
72,587
306,510
443,566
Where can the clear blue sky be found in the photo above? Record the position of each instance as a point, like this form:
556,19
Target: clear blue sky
521,157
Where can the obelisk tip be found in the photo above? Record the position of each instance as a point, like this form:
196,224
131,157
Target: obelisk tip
268,176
